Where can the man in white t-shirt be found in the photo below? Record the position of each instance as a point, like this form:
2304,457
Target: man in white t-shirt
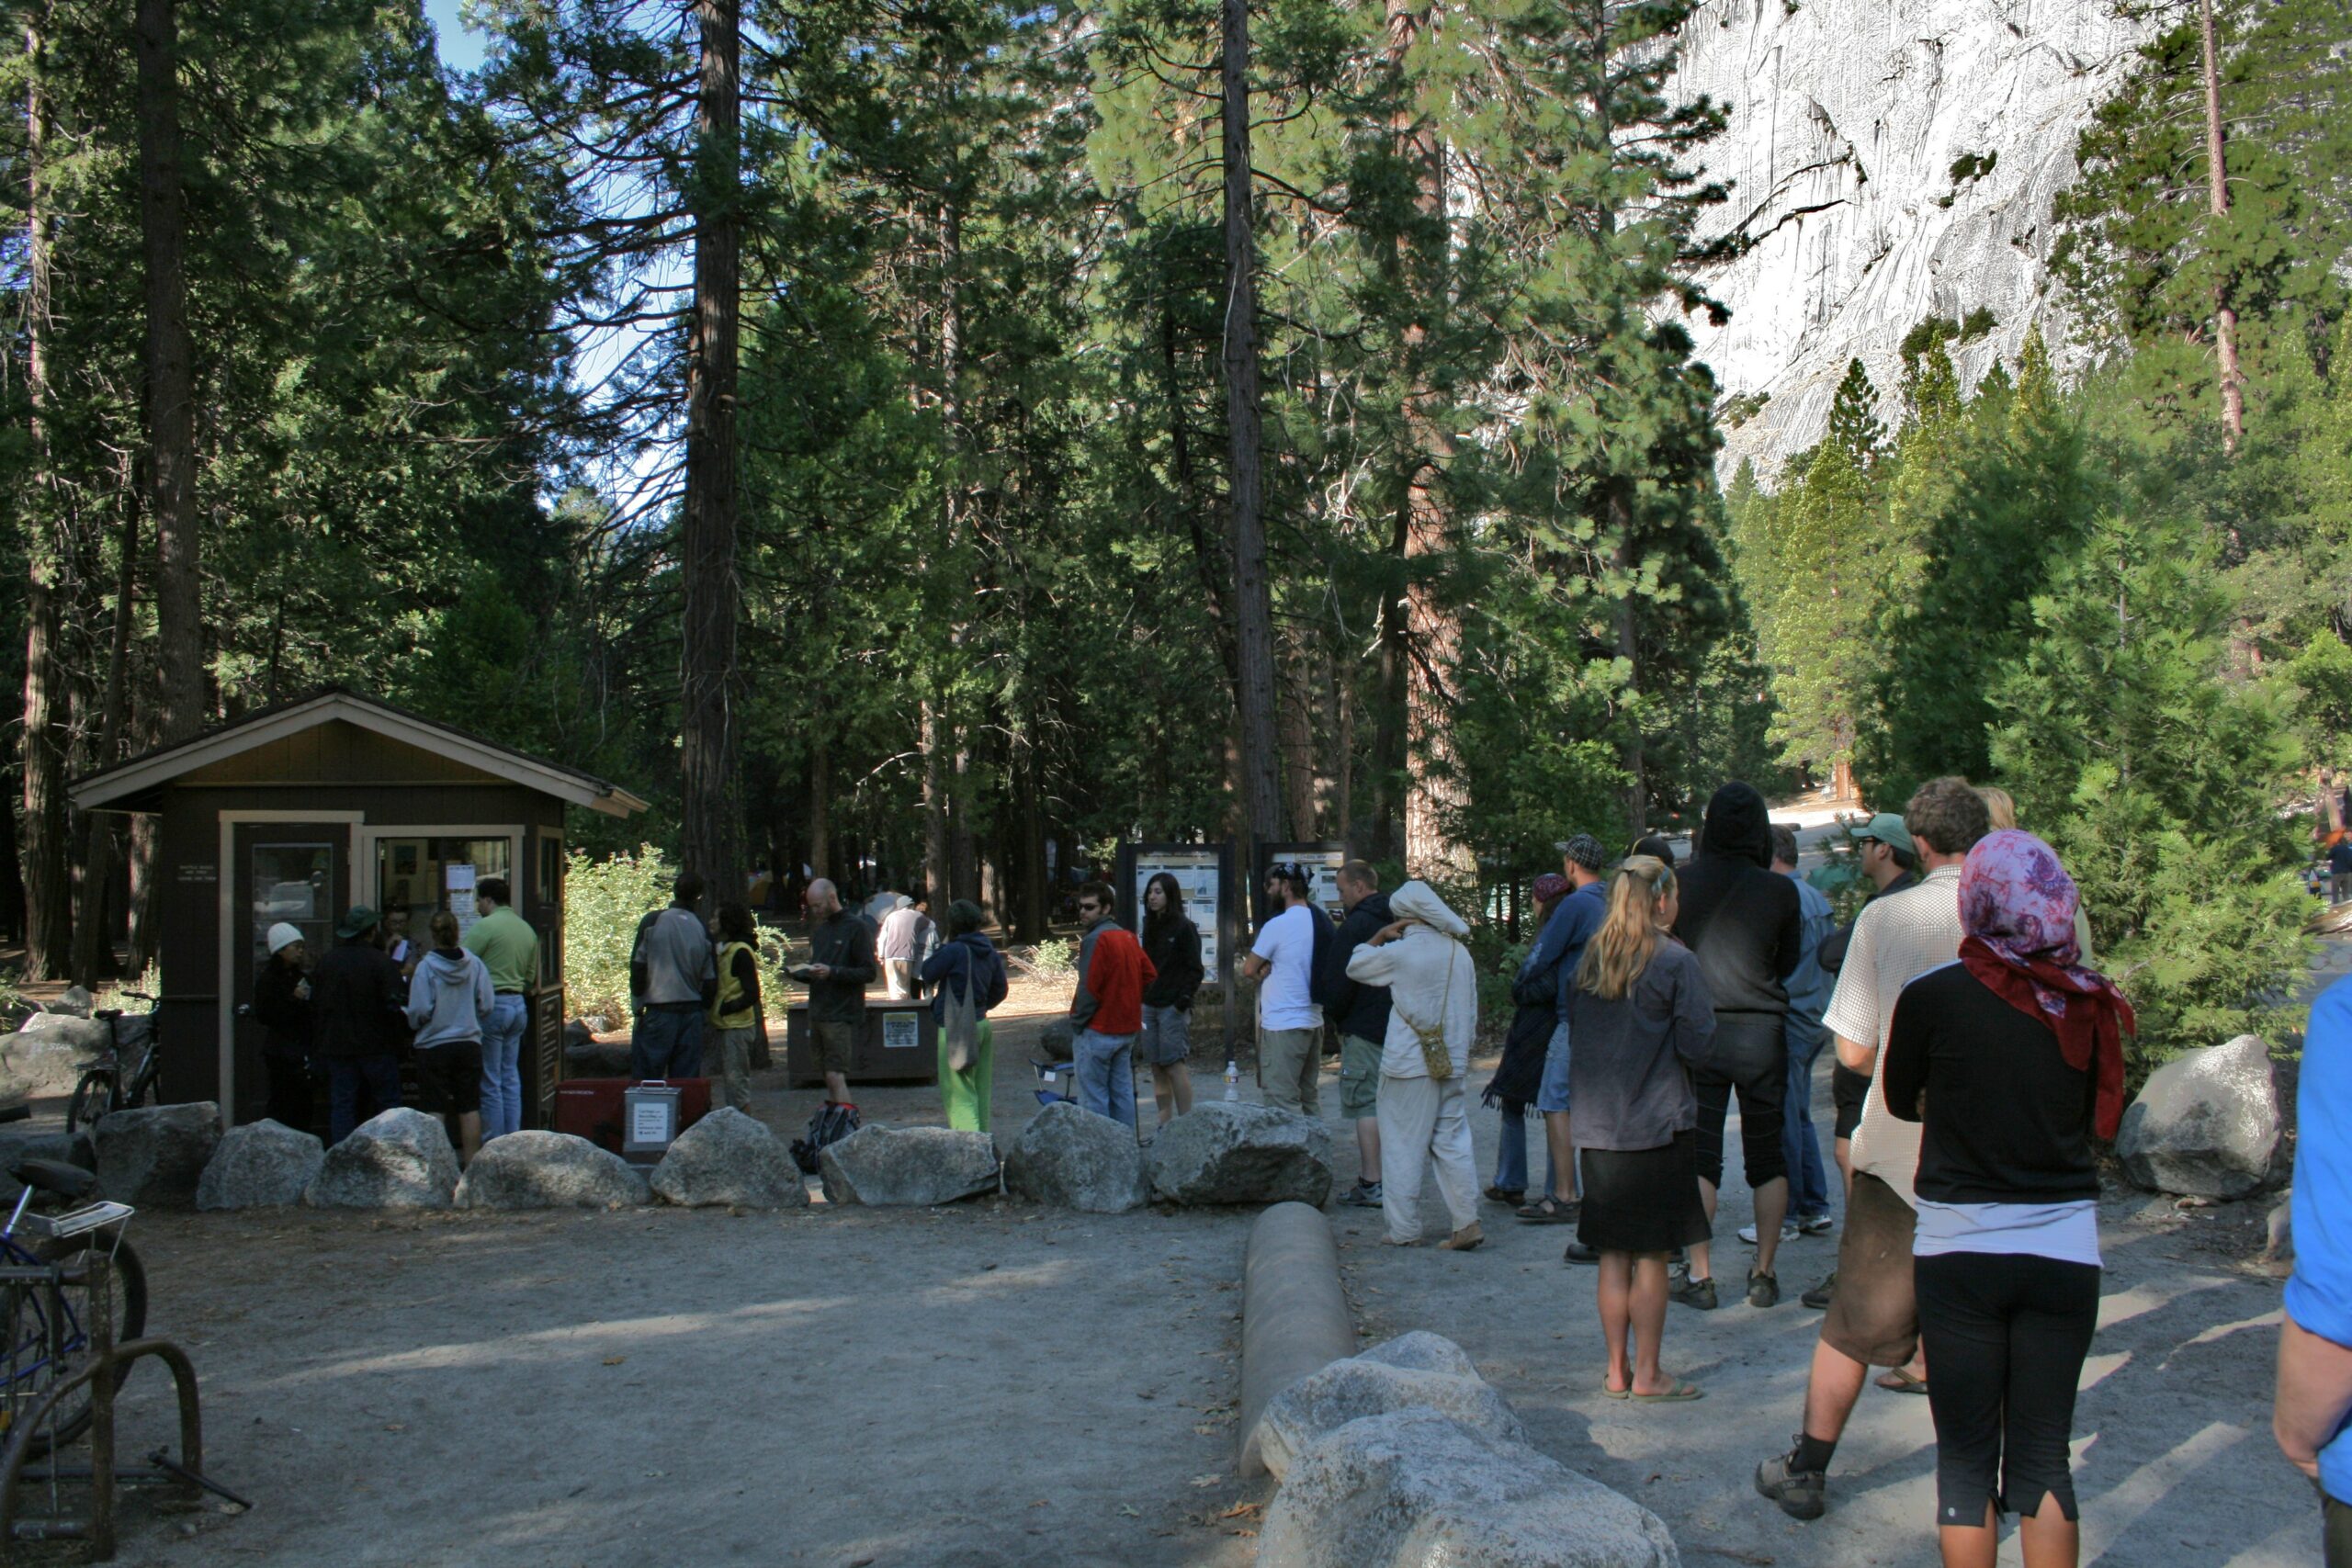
1290,1026
1873,1317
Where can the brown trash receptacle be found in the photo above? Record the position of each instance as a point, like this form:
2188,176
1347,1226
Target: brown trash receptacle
899,1045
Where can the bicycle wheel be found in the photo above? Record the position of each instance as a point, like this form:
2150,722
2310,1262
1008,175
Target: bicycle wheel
93,1097
45,1340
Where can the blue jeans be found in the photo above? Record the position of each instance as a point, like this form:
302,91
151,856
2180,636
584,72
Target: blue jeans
1808,1182
380,1074
1106,1074
667,1042
1511,1157
502,1065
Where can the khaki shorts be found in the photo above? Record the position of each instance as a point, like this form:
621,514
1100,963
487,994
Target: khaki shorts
836,1045
1359,1077
1874,1314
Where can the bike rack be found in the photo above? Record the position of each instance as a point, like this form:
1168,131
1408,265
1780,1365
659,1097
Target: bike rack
102,1373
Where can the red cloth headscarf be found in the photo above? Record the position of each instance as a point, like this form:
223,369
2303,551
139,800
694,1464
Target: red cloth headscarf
1548,886
2016,911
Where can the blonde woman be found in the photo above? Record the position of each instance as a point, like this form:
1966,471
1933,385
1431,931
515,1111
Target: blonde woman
1641,1019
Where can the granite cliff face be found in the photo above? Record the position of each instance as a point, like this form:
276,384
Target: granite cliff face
1890,160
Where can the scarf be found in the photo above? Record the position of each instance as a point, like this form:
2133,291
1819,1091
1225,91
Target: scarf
2017,916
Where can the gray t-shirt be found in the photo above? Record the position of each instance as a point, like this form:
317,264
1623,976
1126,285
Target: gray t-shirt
674,947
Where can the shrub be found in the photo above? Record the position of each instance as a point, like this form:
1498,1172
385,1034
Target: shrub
1055,959
604,899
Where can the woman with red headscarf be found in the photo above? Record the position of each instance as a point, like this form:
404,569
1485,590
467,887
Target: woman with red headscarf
2012,1058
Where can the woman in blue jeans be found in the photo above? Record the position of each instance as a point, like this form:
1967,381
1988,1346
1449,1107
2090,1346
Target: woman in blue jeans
1520,1076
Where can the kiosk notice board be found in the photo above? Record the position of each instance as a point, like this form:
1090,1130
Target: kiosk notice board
1322,860
900,1044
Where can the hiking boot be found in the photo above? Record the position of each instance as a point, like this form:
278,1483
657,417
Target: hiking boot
1364,1195
1818,1297
1802,1493
1698,1294
1763,1290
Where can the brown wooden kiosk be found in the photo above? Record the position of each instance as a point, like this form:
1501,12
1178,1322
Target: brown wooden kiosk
299,811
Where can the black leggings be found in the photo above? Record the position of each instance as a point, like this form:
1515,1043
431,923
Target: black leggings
2005,1337
1751,1057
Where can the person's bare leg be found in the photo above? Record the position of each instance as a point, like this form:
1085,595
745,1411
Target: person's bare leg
1615,1295
1831,1391
1180,1085
1368,1146
1843,1150
470,1133
1647,1304
1563,1150
1771,1208
1163,1095
837,1087
1701,1267
2051,1540
1974,1546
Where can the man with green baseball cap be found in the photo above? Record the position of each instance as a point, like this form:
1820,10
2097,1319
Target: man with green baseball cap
357,1003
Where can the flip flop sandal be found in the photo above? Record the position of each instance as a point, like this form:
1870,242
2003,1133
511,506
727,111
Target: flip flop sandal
1680,1394
1614,1393
1513,1196
1547,1211
1900,1381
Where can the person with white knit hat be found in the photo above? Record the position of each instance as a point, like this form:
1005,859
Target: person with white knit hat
1424,1111
282,1007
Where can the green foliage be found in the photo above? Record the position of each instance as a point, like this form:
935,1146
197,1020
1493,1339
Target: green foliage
603,902
1055,959
115,995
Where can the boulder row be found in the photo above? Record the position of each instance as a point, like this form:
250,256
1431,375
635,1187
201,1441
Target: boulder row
907,1165
2207,1125
731,1158
538,1169
1416,1370
261,1164
155,1153
398,1158
1075,1160
1238,1153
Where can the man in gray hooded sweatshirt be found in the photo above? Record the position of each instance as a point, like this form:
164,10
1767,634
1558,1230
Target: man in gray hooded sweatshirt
447,999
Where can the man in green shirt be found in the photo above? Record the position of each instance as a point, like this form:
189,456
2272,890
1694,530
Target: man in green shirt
509,949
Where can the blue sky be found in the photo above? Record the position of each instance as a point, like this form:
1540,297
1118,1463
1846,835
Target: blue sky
460,47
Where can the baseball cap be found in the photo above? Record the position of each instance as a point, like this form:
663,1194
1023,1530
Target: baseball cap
1887,828
357,920
283,935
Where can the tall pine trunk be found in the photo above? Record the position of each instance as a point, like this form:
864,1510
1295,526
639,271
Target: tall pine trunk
1253,605
170,378
42,842
92,951
2217,193
712,824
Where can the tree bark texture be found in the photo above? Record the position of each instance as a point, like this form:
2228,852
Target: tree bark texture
712,827
1246,525
43,826
1297,717
170,379
1630,750
2217,191
929,739
92,951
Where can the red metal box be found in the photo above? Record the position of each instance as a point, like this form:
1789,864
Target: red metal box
592,1107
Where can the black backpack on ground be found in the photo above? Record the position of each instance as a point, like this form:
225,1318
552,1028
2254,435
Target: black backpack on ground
830,1126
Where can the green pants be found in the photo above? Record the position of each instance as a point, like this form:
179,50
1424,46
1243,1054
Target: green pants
966,1094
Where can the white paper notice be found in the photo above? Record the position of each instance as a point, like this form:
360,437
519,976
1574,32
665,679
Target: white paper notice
901,1031
650,1122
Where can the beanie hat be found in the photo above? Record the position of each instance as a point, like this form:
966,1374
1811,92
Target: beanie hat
283,935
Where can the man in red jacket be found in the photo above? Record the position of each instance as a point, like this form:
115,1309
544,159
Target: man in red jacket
1107,1013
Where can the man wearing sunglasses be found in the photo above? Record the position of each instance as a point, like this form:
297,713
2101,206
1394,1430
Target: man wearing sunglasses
1107,1012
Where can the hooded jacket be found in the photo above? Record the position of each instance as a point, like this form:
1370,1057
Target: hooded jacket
449,998
967,962
1360,1010
355,1002
1431,979
1742,918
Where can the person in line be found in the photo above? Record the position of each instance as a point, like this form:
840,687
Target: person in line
1290,1026
1361,1013
1656,846
1808,997
1889,870
1424,1059
509,949
398,945
1642,1021
1553,962
905,938
2009,1060
2312,1415
671,974
1746,926
1106,1012
282,1008
841,966
1172,943
449,998
1519,1078
739,1020
357,998
1873,1317
2339,870
966,974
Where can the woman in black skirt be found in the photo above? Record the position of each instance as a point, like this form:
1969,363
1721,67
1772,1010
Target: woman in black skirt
1641,1018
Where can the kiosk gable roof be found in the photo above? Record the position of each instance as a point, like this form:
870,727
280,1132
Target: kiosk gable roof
103,789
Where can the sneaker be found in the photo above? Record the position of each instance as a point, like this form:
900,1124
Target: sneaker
1818,1297
1698,1294
1787,1231
1578,1252
1763,1290
1817,1224
1364,1195
1802,1493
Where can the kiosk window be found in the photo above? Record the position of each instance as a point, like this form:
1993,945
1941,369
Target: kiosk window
293,883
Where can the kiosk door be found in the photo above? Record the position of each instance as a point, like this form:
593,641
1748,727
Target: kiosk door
297,873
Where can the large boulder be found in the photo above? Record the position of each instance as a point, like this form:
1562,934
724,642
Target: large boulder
1416,1489
729,1158
261,1164
49,1054
1058,1040
74,1001
916,1166
535,1170
1075,1160
2207,1125
1418,1369
1232,1152
398,1158
155,1153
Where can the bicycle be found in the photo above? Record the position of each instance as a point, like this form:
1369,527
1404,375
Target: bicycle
115,1082
44,1333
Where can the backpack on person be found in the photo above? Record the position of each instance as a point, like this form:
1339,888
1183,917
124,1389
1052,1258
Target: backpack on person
830,1124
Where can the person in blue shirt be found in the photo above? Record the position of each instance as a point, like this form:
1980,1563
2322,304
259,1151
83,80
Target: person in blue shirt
2315,1399
1809,986
1555,955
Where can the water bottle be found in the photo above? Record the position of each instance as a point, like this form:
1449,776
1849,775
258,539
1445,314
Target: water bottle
1232,1080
